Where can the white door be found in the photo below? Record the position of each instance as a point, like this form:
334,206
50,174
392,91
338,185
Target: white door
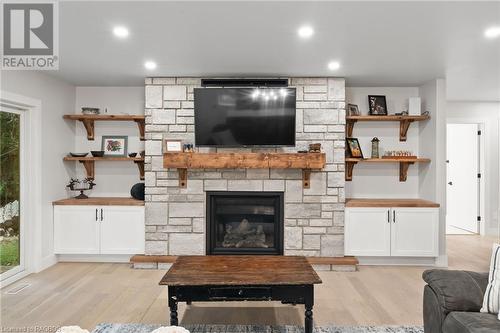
12,191
414,232
122,230
76,230
367,232
462,200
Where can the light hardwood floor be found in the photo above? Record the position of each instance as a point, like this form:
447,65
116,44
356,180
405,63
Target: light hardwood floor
86,294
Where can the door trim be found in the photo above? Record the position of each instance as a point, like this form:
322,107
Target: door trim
33,194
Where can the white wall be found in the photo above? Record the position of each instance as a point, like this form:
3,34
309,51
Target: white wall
487,113
382,180
112,178
432,140
58,137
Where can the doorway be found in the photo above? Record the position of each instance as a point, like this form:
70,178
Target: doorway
12,194
463,199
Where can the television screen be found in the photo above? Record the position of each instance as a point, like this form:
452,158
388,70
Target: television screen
236,117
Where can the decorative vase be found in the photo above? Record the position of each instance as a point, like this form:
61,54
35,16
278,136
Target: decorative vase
375,146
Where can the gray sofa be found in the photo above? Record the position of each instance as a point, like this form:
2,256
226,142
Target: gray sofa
452,300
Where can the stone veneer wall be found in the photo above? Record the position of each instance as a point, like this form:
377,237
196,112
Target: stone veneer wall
314,217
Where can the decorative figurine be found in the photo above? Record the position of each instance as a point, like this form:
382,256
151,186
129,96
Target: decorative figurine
315,148
83,185
375,148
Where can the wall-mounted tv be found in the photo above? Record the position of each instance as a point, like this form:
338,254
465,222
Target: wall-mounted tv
244,117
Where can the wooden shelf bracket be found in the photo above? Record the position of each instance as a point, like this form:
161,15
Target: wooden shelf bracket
403,128
403,170
140,165
348,170
89,168
141,125
349,127
89,126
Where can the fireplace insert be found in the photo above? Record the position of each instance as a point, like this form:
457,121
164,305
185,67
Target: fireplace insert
245,223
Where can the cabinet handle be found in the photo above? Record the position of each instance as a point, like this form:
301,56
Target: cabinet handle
96,218
388,216
101,215
394,216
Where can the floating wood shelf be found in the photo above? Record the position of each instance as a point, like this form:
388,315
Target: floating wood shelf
99,201
404,122
404,163
89,163
358,202
304,161
89,119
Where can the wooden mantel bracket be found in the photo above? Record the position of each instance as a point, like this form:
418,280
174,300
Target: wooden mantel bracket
306,178
182,177
89,126
141,124
404,124
89,168
403,170
349,168
140,165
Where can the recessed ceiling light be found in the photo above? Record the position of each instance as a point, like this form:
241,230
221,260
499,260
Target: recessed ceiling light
492,32
305,31
150,65
333,65
120,31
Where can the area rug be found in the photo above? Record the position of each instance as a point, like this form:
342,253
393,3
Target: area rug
143,328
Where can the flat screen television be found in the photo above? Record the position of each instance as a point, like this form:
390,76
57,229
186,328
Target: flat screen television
244,117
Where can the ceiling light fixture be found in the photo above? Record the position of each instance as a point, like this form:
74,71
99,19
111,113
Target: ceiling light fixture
120,31
333,65
492,32
150,65
305,31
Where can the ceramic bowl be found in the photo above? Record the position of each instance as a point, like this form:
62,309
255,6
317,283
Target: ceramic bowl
97,153
132,155
89,110
78,154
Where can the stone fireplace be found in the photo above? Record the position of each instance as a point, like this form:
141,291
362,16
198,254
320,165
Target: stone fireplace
313,218
244,222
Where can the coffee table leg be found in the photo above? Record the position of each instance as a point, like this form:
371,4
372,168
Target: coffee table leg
309,302
172,304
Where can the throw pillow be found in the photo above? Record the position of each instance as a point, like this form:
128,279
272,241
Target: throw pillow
491,302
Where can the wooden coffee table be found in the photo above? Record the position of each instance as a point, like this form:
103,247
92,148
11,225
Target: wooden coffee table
241,278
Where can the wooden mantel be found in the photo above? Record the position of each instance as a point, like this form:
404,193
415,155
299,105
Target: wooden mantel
184,161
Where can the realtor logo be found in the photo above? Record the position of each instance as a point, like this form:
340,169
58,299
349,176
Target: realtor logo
29,35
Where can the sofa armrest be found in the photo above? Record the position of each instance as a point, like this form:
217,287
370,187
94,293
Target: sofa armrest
457,290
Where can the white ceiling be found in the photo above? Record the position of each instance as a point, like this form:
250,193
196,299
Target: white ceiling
377,43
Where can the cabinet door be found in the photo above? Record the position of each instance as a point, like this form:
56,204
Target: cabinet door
122,230
415,232
76,230
367,232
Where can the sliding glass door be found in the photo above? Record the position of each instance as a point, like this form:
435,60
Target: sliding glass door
11,192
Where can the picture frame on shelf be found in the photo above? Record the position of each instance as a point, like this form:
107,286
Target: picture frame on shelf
377,105
354,147
114,145
353,110
172,145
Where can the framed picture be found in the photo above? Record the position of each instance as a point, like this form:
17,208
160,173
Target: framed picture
352,110
114,145
354,147
172,146
377,105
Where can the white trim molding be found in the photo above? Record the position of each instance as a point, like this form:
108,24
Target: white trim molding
33,184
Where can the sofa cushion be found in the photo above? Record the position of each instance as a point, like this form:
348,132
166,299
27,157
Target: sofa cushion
468,322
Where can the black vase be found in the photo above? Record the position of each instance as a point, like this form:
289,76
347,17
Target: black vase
137,191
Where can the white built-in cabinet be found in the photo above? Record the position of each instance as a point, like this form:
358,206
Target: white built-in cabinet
392,231
85,229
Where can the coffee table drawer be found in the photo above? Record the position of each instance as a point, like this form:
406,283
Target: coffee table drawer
248,293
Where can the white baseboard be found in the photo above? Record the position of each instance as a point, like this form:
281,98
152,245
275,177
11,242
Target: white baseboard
48,261
119,258
399,261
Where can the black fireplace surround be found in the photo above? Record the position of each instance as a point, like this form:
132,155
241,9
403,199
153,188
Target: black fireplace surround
245,223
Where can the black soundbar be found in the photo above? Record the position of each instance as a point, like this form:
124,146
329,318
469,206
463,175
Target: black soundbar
244,82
